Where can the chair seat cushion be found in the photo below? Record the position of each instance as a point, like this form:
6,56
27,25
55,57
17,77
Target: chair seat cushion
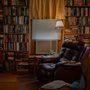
54,85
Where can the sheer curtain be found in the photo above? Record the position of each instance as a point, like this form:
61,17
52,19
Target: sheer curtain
47,9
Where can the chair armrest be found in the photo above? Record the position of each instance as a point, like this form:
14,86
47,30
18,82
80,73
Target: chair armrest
49,59
73,64
68,63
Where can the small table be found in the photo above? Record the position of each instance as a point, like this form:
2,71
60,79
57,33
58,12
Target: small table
35,59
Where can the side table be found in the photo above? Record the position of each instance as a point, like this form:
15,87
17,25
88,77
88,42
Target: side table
35,59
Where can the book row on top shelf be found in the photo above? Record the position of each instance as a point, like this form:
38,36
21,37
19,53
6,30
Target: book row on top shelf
77,2
77,11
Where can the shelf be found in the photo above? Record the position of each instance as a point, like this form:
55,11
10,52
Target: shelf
15,29
77,20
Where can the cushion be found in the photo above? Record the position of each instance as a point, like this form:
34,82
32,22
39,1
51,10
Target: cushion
54,85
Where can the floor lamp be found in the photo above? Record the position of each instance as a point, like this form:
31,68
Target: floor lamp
60,26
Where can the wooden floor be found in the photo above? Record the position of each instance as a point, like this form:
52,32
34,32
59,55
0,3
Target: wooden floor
10,81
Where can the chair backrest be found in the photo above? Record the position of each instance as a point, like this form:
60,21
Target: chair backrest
72,50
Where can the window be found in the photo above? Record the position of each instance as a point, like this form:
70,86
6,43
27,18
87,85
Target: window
46,47
46,36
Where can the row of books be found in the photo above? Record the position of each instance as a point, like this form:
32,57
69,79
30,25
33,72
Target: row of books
16,20
77,2
79,21
19,46
84,30
1,26
10,66
77,11
15,2
10,56
1,46
19,56
73,38
1,41
15,29
1,13
70,38
16,38
13,11
20,67
74,31
1,17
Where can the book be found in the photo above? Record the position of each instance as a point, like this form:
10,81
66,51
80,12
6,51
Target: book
88,2
87,30
75,2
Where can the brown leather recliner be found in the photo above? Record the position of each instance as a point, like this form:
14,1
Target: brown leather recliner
59,68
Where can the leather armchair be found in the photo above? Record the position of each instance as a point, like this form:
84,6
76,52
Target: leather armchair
66,66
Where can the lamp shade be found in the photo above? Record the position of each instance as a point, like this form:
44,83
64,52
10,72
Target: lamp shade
59,24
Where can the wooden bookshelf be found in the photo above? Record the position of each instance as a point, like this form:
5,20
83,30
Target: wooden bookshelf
77,20
15,29
1,26
22,62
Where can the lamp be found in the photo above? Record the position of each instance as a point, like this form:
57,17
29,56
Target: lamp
59,24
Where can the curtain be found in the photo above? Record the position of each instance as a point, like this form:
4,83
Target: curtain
47,9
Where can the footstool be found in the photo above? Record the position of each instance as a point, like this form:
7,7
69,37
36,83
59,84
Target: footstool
56,85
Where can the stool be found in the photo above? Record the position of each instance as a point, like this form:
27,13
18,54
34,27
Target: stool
56,85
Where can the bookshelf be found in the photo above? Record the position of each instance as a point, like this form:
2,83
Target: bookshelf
1,26
22,64
1,36
15,31
77,20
